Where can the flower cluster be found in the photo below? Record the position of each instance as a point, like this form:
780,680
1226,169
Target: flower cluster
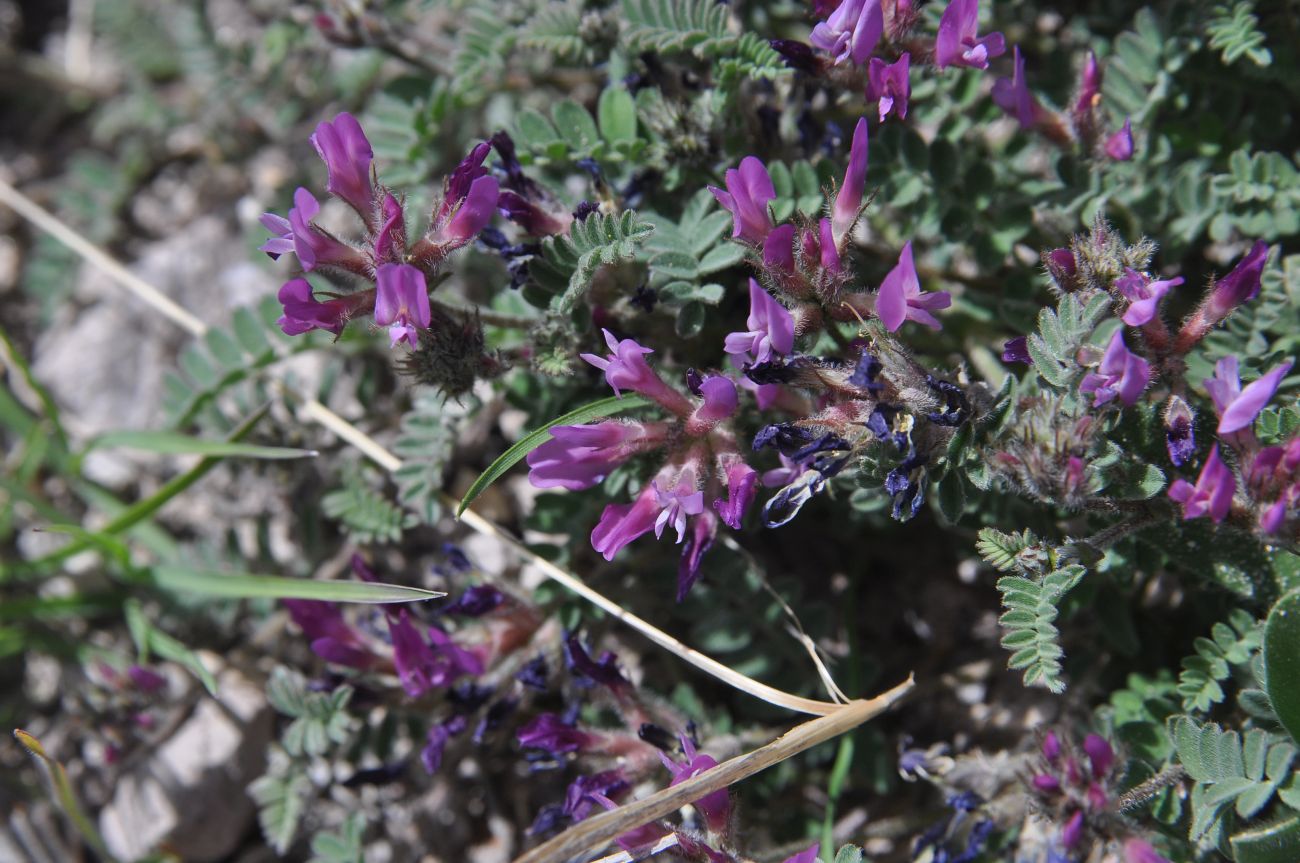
1077,789
399,268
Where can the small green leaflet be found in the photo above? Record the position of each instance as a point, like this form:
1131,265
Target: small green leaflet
171,443
242,585
537,437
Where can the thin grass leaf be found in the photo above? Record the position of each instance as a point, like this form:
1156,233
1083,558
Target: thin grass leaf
537,437
243,585
173,443
64,795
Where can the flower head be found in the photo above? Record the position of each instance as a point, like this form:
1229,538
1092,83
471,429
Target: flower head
1121,373
347,155
749,191
851,31
1143,295
1212,494
1119,146
849,200
578,457
1012,94
890,85
771,328
1237,406
901,299
959,43
402,302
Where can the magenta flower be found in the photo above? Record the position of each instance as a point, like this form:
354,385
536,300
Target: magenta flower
1121,373
1239,286
347,156
771,329
675,504
1100,754
578,457
959,43
1139,851
778,249
1237,406
625,369
144,679
303,312
742,485
297,234
901,299
808,855
1072,832
621,523
456,187
1089,86
1016,350
1119,146
749,191
1212,494
1012,94
332,639
421,666
402,303
551,733
473,214
390,240
890,85
851,32
1143,295
715,807
849,200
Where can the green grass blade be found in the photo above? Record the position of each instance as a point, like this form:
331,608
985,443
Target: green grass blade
242,585
537,437
65,796
173,443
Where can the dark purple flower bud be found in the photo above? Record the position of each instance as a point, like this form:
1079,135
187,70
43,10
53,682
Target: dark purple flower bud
146,680
533,674
548,732
785,437
1100,754
436,742
531,217
657,737
1016,350
585,209
347,155
1072,832
1119,146
644,298
605,672
498,713
704,528
548,820
1212,494
959,42
476,601
890,85
1061,267
1180,437
1239,286
798,55
1046,783
580,796
1051,747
